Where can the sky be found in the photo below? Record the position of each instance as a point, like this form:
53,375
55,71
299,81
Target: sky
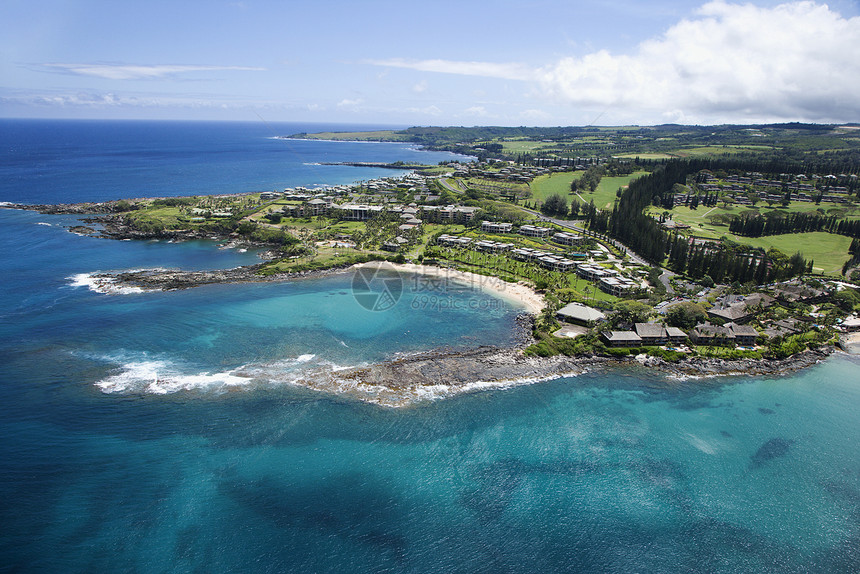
464,63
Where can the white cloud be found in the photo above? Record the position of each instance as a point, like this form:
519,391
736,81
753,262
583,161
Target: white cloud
509,71
347,103
420,87
429,111
138,72
535,115
728,63
476,111
792,61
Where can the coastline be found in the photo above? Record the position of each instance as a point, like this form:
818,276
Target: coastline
406,381
520,292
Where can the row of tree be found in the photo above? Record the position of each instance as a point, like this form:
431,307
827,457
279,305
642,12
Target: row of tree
724,264
628,223
779,224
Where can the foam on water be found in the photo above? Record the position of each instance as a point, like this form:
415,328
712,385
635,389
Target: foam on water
161,377
103,285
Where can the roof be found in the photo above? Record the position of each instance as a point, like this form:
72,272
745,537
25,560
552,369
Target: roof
581,312
625,336
742,330
650,330
709,330
675,332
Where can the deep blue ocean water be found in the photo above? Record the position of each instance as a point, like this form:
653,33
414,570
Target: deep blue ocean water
160,432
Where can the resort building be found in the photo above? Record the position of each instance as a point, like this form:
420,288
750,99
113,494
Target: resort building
676,336
580,314
744,334
565,238
617,285
493,246
358,212
621,339
712,335
494,227
533,231
452,241
651,333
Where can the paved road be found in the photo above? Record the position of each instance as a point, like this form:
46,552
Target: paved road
449,187
665,278
570,225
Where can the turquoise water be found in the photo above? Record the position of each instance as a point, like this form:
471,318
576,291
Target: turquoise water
153,432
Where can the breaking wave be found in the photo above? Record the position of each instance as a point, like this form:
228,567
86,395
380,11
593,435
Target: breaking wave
145,375
99,284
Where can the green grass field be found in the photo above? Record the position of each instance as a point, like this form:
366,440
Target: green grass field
828,250
604,196
545,185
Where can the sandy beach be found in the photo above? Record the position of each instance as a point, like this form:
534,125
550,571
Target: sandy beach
519,292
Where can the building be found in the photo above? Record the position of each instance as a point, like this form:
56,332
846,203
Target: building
569,239
394,244
452,241
533,231
651,333
616,285
707,334
579,314
741,310
744,334
676,336
621,338
357,212
494,227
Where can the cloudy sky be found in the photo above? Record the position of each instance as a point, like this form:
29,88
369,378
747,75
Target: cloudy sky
537,62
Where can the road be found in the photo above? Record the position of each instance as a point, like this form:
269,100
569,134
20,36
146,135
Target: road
665,279
569,225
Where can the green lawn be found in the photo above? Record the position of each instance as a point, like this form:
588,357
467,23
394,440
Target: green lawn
701,219
828,250
544,186
604,196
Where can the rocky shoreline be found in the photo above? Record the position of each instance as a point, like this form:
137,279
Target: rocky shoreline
444,373
174,279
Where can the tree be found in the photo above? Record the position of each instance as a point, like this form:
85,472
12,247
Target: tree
685,315
555,204
630,311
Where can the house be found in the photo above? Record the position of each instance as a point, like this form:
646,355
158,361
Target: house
651,333
579,314
707,334
744,334
394,244
676,336
742,309
621,338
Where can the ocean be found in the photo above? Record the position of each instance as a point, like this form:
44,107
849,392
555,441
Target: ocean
162,432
